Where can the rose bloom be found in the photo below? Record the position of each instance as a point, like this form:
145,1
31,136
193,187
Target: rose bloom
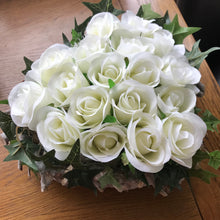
24,99
130,98
51,61
56,132
147,149
64,82
105,67
145,68
175,99
185,133
102,24
177,71
89,106
88,49
103,143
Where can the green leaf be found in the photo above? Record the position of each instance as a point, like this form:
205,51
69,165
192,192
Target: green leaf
162,20
124,159
76,37
17,152
211,121
7,125
214,159
80,177
170,176
109,119
28,64
103,6
195,56
199,156
161,114
204,175
179,33
4,102
146,12
86,76
111,83
65,40
108,179
126,61
74,156
81,28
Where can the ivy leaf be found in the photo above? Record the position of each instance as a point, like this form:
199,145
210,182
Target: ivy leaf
76,37
4,102
108,179
86,76
65,40
211,121
109,119
204,175
161,114
111,83
146,12
80,177
199,156
214,159
74,155
103,6
17,152
28,64
179,33
170,176
195,56
7,125
163,20
82,27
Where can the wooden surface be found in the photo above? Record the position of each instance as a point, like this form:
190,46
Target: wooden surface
28,27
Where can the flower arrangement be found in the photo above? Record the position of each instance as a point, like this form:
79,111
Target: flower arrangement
113,107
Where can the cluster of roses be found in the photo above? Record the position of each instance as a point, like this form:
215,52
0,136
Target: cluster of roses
66,95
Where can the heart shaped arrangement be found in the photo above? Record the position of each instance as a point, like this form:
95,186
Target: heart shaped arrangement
113,107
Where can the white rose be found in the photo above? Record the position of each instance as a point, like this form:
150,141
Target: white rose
147,149
89,48
175,99
178,72
103,143
128,43
107,66
62,84
102,24
24,99
89,106
163,42
50,62
129,98
145,68
185,133
55,132
132,22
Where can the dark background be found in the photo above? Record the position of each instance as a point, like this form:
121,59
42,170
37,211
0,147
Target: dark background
205,14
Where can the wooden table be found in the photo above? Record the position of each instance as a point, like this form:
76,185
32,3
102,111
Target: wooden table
28,27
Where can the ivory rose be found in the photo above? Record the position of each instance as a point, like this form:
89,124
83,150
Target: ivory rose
102,24
185,133
50,62
24,99
175,99
147,149
105,67
130,98
56,132
89,106
103,143
145,68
